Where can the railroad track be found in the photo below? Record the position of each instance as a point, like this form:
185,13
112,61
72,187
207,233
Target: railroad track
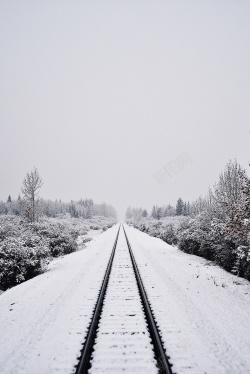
123,333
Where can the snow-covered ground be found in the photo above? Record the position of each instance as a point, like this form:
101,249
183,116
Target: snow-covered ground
82,240
44,321
203,312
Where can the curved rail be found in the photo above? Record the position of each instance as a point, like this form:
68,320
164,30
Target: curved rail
84,363
162,362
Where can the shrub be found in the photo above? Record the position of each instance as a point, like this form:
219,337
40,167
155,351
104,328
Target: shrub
61,240
21,259
95,227
26,248
168,234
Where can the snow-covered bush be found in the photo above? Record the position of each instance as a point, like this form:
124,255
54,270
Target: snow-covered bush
193,236
26,248
242,263
21,259
9,226
95,227
60,238
82,226
218,225
166,229
168,235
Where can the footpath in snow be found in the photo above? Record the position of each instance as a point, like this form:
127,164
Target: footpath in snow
203,312
43,321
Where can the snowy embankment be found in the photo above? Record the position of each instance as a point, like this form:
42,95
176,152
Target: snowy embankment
202,311
43,321
83,239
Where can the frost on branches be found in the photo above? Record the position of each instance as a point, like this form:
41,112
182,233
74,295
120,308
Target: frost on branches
27,247
216,227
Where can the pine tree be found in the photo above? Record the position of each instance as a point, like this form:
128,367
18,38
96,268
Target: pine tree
89,213
72,209
153,214
169,211
185,209
179,207
159,213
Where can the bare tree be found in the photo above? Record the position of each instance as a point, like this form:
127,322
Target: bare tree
30,187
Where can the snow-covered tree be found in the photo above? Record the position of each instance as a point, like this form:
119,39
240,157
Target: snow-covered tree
30,189
89,213
159,213
179,207
169,211
216,226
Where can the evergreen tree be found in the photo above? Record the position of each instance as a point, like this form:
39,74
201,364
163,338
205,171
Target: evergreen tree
179,207
72,210
144,213
159,213
89,213
153,214
169,211
185,209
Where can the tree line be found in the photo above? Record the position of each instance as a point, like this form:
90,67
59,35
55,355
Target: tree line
215,226
158,212
30,206
30,237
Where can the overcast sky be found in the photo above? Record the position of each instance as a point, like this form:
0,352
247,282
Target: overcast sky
100,95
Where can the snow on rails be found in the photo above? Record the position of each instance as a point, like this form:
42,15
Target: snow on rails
123,335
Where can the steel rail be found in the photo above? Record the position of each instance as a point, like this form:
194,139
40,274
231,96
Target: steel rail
162,361
84,362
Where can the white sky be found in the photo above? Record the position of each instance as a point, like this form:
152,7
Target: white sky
100,95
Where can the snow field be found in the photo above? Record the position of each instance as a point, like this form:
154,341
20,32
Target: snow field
203,312
43,321
123,343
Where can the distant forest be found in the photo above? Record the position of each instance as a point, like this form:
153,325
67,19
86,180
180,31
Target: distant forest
30,206
84,208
